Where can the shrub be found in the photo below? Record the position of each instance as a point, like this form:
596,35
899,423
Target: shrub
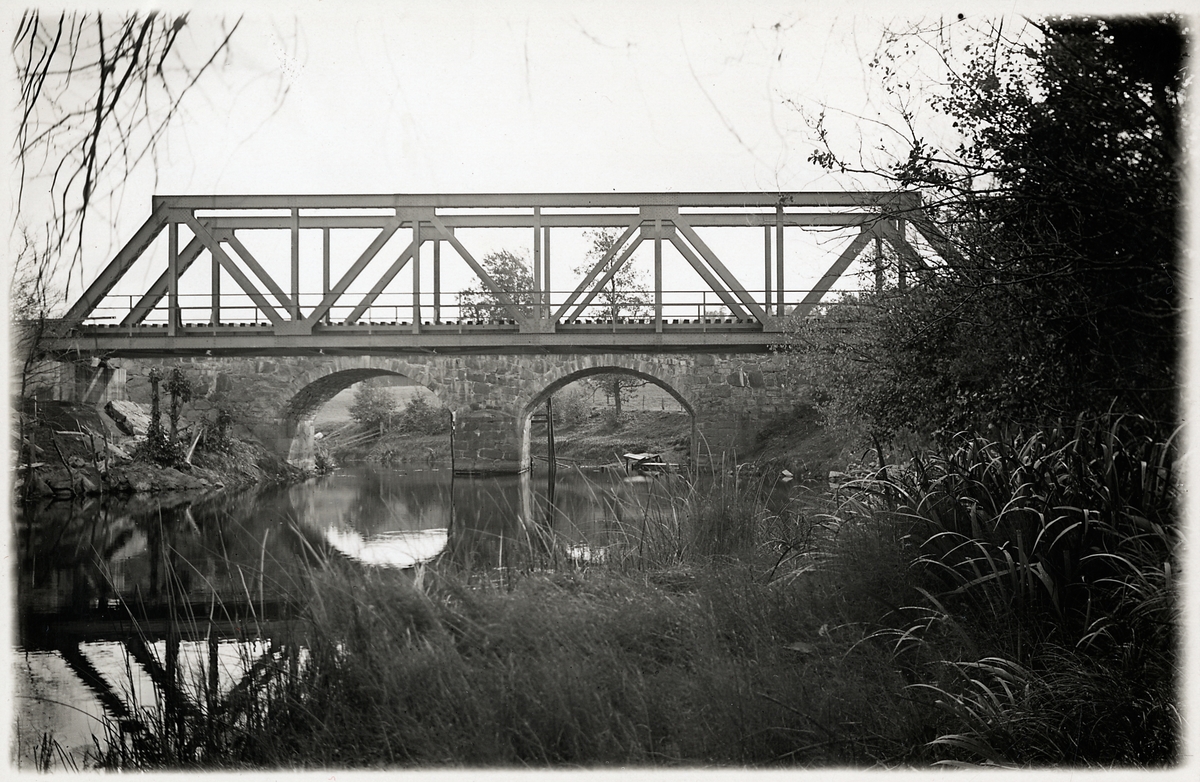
373,407
1045,565
420,417
571,407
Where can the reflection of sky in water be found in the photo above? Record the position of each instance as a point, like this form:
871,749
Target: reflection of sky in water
400,548
50,697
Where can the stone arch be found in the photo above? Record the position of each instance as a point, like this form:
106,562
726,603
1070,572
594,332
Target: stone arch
295,437
540,397
527,409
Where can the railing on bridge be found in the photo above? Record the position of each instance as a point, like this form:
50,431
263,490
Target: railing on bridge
285,311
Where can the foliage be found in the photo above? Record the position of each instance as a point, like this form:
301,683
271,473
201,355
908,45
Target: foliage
159,447
216,437
1057,221
511,273
572,406
1048,615
180,389
625,295
420,417
373,407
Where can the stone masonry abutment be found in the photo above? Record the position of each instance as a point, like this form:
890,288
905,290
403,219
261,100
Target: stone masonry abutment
732,398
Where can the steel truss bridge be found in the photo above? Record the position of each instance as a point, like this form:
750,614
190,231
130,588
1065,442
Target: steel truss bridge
285,314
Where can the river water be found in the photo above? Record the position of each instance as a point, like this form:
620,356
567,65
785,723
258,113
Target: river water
102,585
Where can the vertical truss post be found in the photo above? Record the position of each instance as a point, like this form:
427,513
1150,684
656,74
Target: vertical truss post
658,283
538,313
416,262
779,288
216,291
295,308
437,280
325,267
172,277
767,268
546,277
878,263
901,261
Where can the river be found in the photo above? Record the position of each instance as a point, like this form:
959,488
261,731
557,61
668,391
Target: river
103,586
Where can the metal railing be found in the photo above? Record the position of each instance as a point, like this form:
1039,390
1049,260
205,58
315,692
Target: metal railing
634,307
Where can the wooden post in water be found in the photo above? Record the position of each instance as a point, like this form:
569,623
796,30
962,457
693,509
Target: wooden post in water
551,459
450,524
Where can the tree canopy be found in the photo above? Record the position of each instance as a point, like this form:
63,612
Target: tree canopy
1060,211
511,272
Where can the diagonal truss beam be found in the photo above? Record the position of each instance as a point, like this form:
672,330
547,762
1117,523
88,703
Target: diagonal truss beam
936,238
835,271
266,279
158,290
595,270
485,278
608,275
214,247
708,277
119,265
352,273
396,267
895,237
720,269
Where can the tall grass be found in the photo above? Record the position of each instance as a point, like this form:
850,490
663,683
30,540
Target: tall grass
1004,603
1045,568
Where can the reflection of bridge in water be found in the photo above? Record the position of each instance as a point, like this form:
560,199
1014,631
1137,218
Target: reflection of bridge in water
203,597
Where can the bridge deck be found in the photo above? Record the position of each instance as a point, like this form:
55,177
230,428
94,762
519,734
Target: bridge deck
710,335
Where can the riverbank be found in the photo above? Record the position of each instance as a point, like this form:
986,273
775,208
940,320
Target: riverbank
76,451
796,443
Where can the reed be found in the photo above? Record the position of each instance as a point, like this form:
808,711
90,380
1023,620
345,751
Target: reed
1045,614
1005,602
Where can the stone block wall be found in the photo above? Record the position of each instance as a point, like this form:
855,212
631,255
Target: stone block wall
731,396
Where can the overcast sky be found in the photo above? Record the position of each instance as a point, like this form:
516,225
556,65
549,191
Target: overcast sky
512,96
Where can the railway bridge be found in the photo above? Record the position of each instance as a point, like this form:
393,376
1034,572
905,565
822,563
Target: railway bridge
303,295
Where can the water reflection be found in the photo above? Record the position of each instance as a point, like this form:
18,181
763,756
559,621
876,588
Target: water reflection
117,595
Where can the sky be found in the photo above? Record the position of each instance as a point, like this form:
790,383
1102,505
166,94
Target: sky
508,97
525,96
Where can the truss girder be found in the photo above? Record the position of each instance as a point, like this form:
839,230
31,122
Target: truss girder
228,265
835,271
119,265
677,218
483,276
715,263
583,286
152,297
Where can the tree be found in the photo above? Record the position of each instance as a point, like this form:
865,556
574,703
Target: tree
1057,214
373,407
511,273
624,296
96,93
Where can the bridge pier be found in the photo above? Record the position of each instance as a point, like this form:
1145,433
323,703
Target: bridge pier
296,441
90,382
487,441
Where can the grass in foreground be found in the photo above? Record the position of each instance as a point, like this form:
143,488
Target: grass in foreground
1004,603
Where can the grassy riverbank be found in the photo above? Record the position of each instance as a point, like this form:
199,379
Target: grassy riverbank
1003,603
